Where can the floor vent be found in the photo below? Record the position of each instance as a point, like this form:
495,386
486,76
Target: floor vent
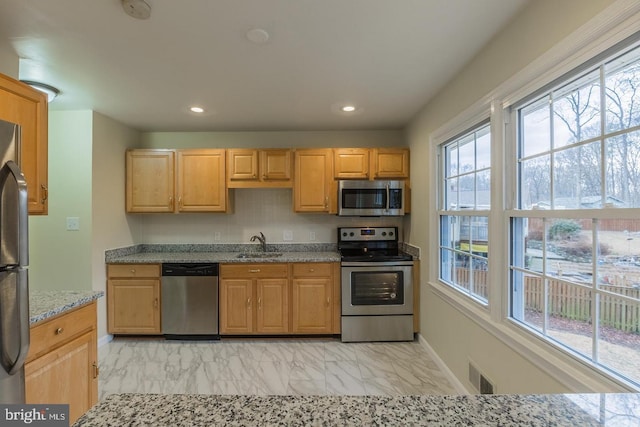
481,383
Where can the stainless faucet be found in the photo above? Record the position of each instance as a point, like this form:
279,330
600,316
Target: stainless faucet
262,239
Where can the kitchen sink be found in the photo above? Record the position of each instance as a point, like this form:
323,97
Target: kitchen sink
260,255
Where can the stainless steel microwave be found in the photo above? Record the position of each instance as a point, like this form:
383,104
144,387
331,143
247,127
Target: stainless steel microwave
370,198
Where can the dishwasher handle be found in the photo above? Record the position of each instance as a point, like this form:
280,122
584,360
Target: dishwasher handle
189,269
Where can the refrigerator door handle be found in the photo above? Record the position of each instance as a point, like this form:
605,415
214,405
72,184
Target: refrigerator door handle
22,309
22,295
21,212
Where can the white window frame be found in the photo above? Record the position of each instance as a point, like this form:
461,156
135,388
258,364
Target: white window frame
614,24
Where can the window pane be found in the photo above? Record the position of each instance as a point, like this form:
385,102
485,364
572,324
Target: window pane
483,190
535,185
467,192
449,231
623,92
535,130
483,148
467,152
569,316
577,111
576,177
451,193
451,159
619,256
619,332
623,170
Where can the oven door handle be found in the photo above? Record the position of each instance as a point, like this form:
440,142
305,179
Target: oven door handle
377,264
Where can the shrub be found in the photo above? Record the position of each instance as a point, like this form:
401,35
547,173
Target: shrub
564,229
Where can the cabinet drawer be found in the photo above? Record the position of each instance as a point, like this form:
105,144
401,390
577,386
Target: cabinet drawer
253,270
320,269
133,270
55,332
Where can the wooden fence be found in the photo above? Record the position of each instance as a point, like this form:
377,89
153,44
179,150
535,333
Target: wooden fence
568,301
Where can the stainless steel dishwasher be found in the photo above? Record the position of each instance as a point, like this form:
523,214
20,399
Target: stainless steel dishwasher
190,301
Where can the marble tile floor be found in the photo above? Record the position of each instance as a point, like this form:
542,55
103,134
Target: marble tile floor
268,367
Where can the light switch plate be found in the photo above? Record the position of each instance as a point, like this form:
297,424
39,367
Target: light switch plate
73,223
287,235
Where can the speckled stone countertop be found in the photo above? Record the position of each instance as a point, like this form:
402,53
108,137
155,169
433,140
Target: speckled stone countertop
46,304
227,253
470,410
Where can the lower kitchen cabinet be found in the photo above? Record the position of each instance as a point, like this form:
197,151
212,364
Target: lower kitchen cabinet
62,365
254,299
312,298
133,299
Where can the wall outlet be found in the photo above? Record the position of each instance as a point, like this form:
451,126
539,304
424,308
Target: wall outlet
216,236
73,223
312,236
287,235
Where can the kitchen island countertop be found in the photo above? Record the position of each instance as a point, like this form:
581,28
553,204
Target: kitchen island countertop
46,304
496,410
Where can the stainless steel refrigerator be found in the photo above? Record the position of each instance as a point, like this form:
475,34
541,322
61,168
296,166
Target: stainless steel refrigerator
14,258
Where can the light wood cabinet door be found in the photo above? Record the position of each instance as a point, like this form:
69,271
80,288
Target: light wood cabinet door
275,165
272,310
242,164
312,305
236,306
391,163
313,181
249,168
133,306
27,107
351,163
66,375
201,181
150,181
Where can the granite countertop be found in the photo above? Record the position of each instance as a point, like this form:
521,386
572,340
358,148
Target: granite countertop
469,410
46,304
221,253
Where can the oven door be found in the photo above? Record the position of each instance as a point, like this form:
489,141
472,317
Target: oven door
377,288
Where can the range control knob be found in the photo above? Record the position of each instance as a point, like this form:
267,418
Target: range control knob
384,233
352,234
391,233
344,234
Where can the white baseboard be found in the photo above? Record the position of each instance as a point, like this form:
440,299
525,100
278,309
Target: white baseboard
106,339
457,385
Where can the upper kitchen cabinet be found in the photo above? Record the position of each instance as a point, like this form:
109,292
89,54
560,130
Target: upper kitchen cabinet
176,180
27,107
351,163
150,180
249,168
390,163
200,181
313,190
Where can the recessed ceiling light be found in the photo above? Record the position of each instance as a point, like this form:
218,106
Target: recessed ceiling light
258,35
197,109
348,108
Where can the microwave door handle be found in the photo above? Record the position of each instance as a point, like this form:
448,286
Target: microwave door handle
388,198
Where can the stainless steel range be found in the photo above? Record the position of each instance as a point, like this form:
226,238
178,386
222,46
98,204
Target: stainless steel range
377,285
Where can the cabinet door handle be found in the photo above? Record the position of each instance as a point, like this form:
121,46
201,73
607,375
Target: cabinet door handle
264,176
96,370
171,202
249,302
155,302
254,270
259,303
133,271
311,270
180,201
45,193
328,301
326,202
59,331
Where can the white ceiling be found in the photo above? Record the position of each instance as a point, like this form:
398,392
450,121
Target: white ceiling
388,57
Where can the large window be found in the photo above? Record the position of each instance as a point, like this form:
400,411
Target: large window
575,226
465,179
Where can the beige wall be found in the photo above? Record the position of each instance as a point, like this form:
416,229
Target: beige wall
61,259
111,227
452,334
